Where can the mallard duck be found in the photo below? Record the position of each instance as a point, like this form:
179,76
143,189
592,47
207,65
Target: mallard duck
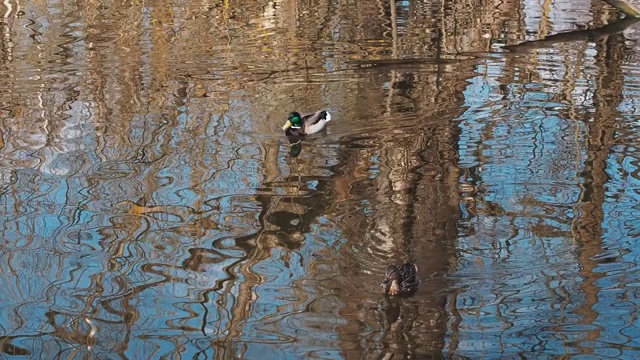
401,280
297,125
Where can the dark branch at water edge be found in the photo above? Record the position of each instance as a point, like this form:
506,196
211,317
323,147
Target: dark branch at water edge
578,35
626,8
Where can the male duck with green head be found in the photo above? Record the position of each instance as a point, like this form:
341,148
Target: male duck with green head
297,125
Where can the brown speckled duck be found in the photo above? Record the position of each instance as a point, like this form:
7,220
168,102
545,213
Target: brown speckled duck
401,280
297,125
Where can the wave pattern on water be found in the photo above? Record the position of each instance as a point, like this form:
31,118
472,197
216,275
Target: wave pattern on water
152,208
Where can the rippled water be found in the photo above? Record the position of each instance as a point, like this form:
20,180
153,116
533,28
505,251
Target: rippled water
153,209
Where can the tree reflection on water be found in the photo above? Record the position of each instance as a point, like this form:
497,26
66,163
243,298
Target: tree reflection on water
153,208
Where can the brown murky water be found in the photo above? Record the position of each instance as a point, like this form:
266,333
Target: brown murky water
152,207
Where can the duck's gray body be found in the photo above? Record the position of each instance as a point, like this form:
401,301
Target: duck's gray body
307,124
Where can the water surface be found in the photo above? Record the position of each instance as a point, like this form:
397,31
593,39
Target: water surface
152,208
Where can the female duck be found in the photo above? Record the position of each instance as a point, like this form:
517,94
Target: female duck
305,125
401,280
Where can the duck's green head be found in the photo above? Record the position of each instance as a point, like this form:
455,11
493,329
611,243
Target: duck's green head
294,120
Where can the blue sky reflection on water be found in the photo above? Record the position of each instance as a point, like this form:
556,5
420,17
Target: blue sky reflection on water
153,208
532,174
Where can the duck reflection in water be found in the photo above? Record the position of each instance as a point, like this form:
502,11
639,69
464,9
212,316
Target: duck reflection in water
296,148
